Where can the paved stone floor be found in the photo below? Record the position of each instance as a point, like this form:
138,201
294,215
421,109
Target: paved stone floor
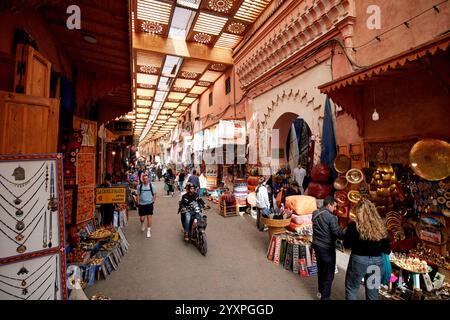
235,267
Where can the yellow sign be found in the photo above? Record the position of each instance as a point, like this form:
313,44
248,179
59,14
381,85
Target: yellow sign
110,195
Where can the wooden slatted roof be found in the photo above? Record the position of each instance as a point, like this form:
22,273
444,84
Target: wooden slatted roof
192,26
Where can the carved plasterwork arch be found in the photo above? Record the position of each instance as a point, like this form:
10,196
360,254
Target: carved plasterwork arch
301,104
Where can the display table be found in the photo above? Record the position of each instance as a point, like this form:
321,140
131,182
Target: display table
416,275
98,255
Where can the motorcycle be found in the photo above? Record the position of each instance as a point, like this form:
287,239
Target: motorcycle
197,233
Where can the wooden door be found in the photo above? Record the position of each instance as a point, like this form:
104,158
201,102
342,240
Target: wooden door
33,70
28,124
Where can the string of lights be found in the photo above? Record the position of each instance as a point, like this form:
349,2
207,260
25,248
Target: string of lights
406,24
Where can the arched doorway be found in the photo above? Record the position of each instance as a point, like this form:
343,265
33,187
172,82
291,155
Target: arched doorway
294,141
298,145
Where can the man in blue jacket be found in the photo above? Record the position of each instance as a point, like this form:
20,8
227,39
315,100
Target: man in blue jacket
326,231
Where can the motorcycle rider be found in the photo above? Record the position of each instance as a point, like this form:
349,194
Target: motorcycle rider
186,216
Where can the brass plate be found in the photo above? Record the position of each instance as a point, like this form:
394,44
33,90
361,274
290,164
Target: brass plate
354,196
342,163
430,159
340,183
355,176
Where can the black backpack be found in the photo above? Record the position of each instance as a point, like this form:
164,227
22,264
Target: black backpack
151,189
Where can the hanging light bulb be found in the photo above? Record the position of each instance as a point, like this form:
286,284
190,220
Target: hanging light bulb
375,115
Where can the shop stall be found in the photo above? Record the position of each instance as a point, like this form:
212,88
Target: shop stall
410,187
32,255
290,236
96,252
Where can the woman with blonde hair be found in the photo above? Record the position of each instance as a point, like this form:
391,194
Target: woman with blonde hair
367,236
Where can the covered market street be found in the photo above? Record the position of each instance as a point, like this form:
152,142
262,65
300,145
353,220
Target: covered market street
235,267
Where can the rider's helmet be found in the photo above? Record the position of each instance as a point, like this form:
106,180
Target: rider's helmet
189,186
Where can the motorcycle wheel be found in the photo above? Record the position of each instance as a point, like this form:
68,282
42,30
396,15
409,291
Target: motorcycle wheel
202,243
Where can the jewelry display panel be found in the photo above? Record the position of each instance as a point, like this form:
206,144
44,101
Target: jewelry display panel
39,278
31,205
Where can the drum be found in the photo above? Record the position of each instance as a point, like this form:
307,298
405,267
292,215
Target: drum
241,191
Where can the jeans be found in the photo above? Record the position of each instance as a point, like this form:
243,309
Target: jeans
326,266
259,223
181,185
358,268
186,220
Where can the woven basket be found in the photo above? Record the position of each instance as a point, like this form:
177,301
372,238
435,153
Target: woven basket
275,223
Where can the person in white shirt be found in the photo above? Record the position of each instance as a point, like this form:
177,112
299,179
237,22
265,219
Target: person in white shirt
262,202
299,176
202,181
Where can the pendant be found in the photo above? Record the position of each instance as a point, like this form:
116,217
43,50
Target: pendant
22,270
53,204
17,201
19,237
21,249
25,291
44,244
20,225
19,213
50,244
24,283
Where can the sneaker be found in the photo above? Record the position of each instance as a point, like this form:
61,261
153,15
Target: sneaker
143,226
149,234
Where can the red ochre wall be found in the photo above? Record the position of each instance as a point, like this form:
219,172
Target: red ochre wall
393,13
413,104
221,101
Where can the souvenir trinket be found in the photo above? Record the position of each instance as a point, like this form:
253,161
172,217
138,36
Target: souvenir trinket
21,249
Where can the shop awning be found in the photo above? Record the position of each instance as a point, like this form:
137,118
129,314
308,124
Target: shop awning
346,91
384,66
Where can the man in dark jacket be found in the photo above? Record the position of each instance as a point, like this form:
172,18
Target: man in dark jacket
326,231
186,200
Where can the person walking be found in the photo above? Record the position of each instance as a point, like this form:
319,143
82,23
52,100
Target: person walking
159,173
193,179
181,177
367,236
299,176
108,209
326,231
146,198
262,203
169,179
202,183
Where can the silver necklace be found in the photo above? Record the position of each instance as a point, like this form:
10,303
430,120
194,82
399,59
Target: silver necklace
19,211
20,226
22,184
21,248
17,199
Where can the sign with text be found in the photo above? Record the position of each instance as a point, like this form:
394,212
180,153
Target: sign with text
110,195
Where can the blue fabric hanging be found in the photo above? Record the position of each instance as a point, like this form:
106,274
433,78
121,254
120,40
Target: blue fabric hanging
387,269
328,153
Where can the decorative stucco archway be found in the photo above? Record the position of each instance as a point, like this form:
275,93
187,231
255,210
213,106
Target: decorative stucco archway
291,105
